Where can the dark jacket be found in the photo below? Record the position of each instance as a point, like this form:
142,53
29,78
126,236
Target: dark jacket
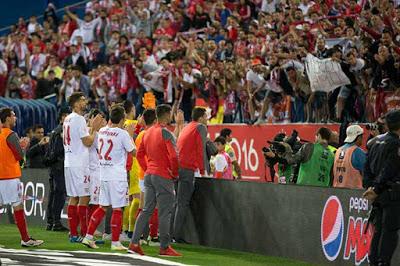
80,62
54,157
35,154
382,167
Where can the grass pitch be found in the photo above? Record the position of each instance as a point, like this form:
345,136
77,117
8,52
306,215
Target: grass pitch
192,254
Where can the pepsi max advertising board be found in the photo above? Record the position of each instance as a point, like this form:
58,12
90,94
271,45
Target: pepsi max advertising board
322,226
345,234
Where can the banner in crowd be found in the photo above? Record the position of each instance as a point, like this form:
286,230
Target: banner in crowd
248,142
325,74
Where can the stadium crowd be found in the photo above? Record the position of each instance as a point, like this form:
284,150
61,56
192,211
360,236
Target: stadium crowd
244,59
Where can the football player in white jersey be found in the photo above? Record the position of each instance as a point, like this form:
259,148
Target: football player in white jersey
94,166
114,144
77,139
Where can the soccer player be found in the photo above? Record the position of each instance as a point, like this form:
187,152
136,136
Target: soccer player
129,217
77,141
10,172
161,168
94,166
114,144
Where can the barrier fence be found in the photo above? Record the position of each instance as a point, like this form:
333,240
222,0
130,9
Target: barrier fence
323,226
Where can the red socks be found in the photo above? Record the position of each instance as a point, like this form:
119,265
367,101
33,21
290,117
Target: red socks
73,220
154,223
95,220
116,225
83,212
19,218
92,209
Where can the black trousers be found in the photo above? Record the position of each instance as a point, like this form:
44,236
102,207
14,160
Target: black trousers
387,224
57,198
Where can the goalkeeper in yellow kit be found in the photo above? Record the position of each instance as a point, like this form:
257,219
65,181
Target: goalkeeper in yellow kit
130,211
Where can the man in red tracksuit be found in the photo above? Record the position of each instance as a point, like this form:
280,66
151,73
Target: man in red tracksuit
158,158
192,159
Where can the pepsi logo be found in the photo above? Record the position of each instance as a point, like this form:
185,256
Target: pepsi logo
332,228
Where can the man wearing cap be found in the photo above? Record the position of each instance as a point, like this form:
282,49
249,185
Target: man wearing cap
382,178
350,160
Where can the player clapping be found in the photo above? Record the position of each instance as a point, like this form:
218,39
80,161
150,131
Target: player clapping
114,143
77,140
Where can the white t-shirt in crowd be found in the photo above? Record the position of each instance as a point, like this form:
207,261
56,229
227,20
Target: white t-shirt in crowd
220,163
87,29
113,145
37,63
257,80
74,129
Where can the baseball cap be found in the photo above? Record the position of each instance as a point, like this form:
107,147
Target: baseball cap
255,62
352,132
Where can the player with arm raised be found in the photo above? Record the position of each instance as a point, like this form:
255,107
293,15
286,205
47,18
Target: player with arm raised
114,144
77,139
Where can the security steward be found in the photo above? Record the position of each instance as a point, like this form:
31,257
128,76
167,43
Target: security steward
382,180
54,159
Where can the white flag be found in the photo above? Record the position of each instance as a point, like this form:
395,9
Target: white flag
325,75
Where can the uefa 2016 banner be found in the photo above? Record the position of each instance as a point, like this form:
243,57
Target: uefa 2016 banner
248,142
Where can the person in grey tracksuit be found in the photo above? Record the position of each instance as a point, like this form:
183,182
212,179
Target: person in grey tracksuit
193,161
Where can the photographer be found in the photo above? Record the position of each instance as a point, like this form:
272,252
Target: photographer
287,173
315,160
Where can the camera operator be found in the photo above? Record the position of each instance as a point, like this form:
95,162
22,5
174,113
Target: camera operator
315,159
287,173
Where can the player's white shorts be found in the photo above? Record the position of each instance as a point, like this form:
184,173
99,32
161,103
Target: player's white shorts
77,181
114,193
94,186
141,185
11,192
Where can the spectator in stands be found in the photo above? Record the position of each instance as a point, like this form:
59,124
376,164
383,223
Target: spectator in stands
37,148
230,56
75,58
350,160
315,159
227,134
47,86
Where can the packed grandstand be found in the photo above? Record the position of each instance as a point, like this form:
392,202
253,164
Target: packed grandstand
139,104
244,60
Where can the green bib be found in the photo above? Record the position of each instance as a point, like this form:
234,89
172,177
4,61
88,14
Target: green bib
286,172
317,170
